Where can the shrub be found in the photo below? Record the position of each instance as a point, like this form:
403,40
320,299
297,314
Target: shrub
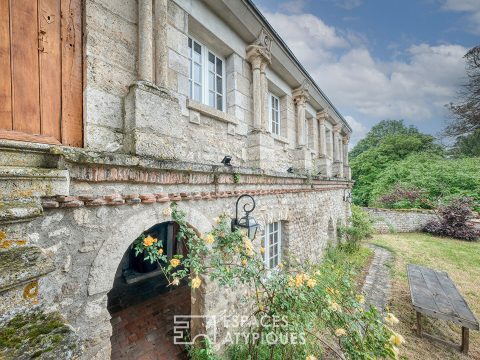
359,228
405,197
453,222
318,303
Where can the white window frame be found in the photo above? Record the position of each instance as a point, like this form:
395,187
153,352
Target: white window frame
204,78
275,128
268,257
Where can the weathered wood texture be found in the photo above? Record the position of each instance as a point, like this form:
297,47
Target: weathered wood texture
41,71
434,293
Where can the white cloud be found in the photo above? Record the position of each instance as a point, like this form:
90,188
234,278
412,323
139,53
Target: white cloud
471,7
348,4
359,130
414,89
293,6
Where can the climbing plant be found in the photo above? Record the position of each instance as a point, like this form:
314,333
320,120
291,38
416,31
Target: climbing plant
309,309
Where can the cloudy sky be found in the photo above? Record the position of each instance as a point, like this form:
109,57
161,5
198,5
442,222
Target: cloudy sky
382,59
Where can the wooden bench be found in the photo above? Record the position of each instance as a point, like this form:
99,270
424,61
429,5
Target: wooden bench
434,294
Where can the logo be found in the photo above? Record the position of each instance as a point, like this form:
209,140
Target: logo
182,329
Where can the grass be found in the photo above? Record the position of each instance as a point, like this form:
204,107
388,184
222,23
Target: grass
461,260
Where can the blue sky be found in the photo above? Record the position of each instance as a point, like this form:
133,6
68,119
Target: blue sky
382,59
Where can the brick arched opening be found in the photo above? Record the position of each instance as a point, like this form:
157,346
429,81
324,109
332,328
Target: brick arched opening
102,272
142,304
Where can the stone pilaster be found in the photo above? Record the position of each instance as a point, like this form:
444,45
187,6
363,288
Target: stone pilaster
161,48
260,144
323,162
300,97
337,152
302,156
346,168
145,40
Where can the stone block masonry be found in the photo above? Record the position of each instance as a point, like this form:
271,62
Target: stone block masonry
408,220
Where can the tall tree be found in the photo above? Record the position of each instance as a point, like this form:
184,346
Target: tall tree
468,145
378,132
466,114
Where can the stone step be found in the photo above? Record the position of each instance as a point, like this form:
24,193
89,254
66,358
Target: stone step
25,182
18,210
24,154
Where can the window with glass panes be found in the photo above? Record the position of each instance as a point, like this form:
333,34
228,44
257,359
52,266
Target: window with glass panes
274,114
273,241
206,76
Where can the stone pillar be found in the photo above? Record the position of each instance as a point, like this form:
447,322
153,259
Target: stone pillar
322,146
315,135
346,168
300,97
260,145
259,59
161,48
337,152
323,162
145,40
303,156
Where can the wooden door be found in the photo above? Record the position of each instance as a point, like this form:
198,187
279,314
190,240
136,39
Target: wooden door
41,71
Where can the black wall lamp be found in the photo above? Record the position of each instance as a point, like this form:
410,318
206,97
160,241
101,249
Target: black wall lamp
246,222
226,160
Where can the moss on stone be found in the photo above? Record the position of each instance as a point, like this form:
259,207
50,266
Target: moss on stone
36,335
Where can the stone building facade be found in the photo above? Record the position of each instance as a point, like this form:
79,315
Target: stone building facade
170,88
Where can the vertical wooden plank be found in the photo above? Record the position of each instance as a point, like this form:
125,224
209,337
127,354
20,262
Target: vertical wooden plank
50,67
72,74
5,68
25,82
419,324
465,340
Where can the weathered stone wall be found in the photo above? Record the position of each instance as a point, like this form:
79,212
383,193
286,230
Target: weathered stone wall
114,198
128,116
409,220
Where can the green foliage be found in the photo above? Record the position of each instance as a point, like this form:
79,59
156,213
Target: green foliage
316,303
359,228
370,164
439,178
236,178
378,132
468,145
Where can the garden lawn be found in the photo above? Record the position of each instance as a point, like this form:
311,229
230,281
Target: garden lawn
461,260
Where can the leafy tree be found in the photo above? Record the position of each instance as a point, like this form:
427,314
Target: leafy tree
438,177
468,145
466,114
370,164
378,132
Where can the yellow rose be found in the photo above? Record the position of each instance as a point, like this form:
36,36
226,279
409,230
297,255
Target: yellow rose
391,319
299,279
311,283
196,281
335,307
160,251
361,299
262,250
149,241
174,262
176,282
280,265
340,332
244,262
209,239
397,339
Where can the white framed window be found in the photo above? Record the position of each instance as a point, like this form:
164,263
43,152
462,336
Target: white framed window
206,75
274,106
273,244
